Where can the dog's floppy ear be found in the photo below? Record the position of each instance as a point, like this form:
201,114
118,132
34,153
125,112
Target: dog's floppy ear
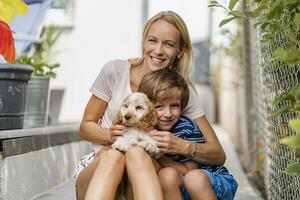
150,119
118,119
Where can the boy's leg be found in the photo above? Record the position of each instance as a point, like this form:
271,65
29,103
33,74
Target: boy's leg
171,183
198,185
202,184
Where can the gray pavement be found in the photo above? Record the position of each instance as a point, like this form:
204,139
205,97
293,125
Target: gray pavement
245,190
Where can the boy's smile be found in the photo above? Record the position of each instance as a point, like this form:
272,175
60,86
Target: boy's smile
168,111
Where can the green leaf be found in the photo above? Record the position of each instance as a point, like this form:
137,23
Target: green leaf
237,13
297,19
225,21
280,112
258,11
232,4
295,125
293,57
214,2
50,74
280,54
296,107
216,5
293,95
274,13
293,169
264,25
53,66
295,91
267,36
297,153
287,2
257,24
287,97
293,141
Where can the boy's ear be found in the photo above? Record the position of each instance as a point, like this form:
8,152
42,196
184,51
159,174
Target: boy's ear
118,119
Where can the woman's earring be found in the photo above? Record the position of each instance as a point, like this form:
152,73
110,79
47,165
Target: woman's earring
179,57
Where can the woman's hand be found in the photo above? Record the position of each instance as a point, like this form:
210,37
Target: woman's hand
169,143
167,162
116,131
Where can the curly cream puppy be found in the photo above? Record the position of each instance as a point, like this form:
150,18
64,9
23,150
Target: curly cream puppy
138,113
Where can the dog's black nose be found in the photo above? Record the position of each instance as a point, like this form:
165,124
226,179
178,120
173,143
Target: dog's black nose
127,116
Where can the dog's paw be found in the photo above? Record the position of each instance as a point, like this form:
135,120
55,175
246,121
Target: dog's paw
149,147
120,145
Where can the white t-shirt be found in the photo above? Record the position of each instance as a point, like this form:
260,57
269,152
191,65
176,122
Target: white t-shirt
113,85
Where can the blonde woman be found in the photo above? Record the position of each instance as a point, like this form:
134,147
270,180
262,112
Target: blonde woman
166,44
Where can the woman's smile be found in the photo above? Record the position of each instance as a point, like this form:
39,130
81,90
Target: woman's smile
157,61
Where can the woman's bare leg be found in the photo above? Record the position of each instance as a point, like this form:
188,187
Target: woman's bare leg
100,179
85,177
198,185
142,175
171,183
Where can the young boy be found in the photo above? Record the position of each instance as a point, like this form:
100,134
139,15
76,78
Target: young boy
170,94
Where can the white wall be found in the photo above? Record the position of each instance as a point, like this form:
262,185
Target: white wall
103,30
194,13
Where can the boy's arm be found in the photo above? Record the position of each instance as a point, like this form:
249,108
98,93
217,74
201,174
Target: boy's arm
167,162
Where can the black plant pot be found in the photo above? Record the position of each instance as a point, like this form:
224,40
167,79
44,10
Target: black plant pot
13,89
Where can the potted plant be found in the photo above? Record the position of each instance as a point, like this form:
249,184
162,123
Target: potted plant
13,77
36,108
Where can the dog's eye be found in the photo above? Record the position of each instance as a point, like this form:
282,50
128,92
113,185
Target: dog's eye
138,107
125,106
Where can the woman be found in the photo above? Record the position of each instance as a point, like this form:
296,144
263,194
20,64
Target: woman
166,44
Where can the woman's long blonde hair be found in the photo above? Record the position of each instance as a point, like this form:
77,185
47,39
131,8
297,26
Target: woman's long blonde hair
184,64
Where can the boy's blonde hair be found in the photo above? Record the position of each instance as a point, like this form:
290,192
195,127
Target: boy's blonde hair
183,64
163,84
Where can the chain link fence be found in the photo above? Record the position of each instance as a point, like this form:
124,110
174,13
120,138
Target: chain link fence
266,125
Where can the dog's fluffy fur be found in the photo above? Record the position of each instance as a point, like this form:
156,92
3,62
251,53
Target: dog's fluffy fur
138,113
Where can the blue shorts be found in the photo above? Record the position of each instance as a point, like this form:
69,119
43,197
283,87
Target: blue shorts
224,186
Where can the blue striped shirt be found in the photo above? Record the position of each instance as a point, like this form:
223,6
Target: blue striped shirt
186,129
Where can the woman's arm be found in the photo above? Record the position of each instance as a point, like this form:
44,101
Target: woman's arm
210,152
90,130
167,162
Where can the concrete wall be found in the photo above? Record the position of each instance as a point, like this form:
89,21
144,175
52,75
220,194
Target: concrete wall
27,175
32,161
231,102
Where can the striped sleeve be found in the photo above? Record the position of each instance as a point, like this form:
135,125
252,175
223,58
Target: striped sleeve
186,129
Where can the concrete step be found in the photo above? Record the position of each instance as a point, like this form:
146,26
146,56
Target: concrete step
65,191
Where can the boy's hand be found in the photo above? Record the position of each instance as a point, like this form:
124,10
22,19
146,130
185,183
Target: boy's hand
169,143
